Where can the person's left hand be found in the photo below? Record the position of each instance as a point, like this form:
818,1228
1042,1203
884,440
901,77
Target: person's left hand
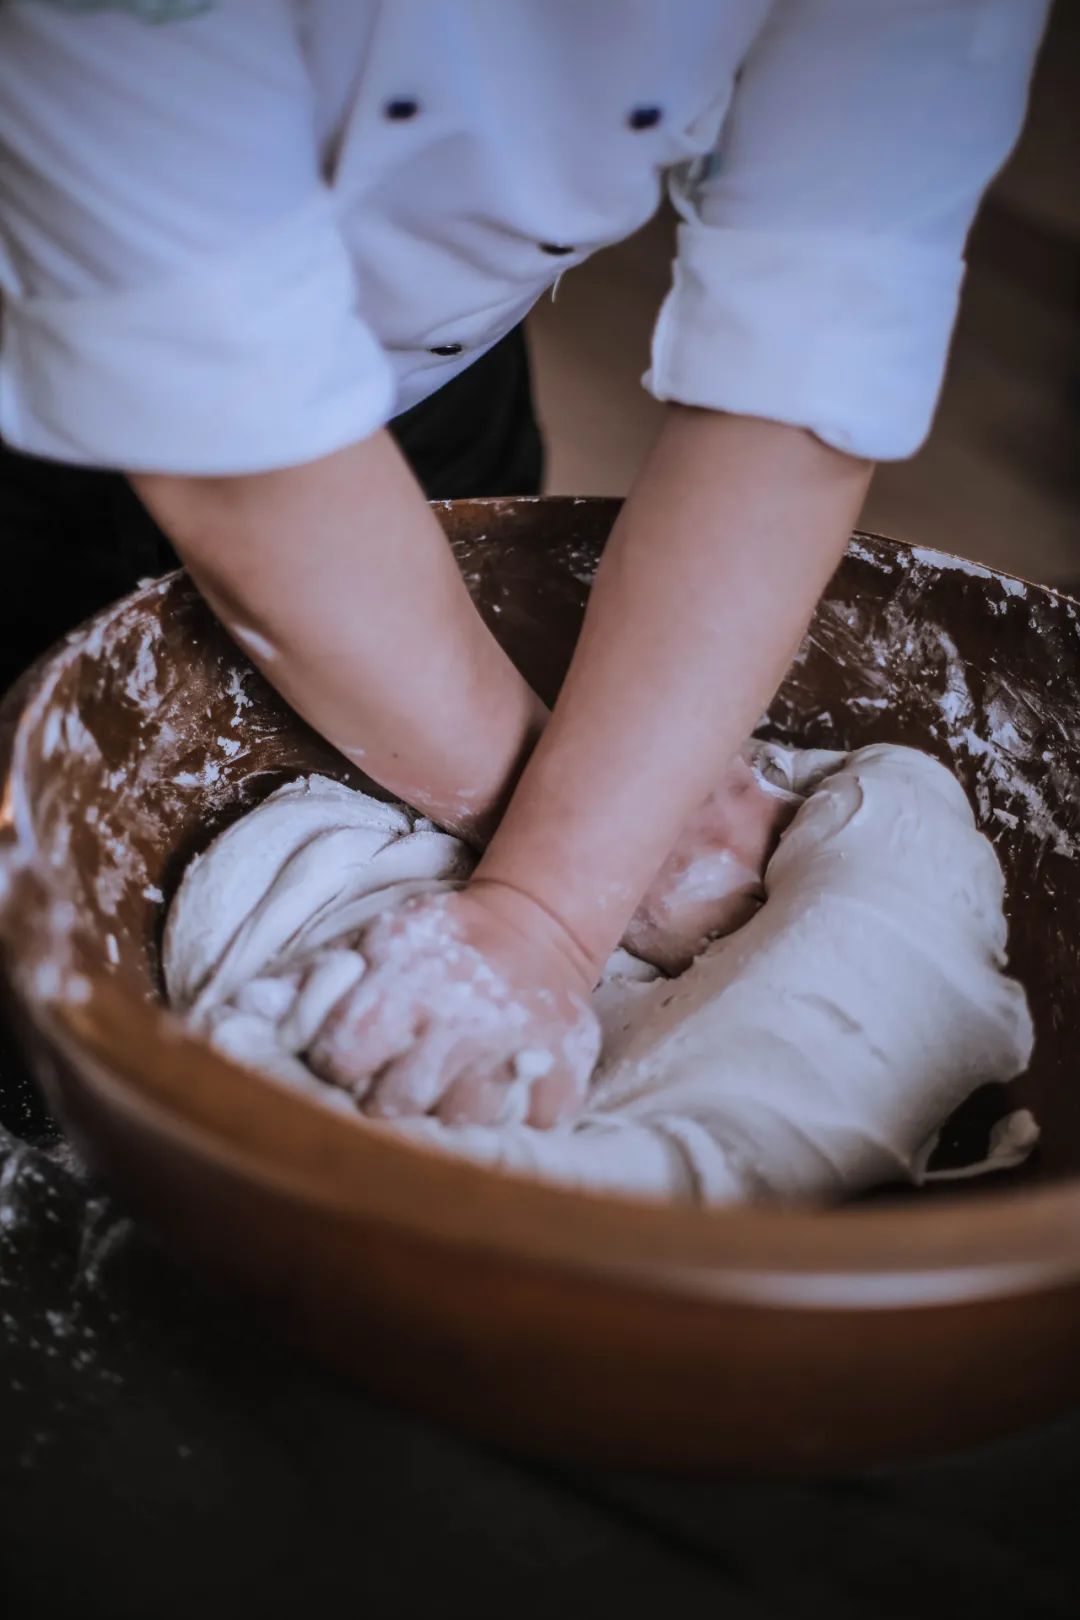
473,1006
711,883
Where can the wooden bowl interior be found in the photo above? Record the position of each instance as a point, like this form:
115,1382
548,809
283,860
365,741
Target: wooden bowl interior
152,731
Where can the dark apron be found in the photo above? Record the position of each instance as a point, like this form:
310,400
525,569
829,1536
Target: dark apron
73,538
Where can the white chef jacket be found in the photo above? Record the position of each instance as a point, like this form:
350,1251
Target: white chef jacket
239,235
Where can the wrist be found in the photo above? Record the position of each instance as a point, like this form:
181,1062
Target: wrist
539,924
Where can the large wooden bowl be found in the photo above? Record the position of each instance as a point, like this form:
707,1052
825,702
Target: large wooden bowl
554,1320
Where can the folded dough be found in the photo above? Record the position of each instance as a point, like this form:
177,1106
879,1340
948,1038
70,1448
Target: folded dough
812,1054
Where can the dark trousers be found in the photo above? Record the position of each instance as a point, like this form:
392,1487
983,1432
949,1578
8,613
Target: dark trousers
73,539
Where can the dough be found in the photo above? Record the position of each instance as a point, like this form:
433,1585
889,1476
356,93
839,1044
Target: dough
811,1054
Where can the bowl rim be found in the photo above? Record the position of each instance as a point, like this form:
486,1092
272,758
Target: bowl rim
982,1245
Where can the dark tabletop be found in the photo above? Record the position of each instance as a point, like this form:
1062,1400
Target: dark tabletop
160,1459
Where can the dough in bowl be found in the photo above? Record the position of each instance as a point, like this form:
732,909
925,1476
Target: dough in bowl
812,1054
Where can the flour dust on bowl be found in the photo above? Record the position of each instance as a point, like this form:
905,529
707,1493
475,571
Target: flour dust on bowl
559,1321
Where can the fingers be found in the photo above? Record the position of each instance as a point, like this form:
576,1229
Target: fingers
483,1088
559,1094
364,1034
439,1025
510,1093
480,1095
556,1098
411,1083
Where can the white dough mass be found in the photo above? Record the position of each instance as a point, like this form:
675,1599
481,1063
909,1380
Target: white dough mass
811,1054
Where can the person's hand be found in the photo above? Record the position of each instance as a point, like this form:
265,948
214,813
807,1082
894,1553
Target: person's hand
711,883
474,1006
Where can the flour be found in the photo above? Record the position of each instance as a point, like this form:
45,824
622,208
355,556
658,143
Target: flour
210,773
906,655
943,560
141,685
814,1052
46,1197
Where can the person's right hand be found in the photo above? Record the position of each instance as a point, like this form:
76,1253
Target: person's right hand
473,1006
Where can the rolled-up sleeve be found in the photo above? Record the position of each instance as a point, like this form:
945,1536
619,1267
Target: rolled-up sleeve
820,254
176,293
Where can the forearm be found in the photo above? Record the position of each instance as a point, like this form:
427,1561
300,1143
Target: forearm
721,551
337,580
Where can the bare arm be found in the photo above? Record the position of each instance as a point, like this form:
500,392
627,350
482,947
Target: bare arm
722,549
340,582
714,566
337,579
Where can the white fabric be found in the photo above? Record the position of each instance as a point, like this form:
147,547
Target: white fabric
217,254
813,1053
